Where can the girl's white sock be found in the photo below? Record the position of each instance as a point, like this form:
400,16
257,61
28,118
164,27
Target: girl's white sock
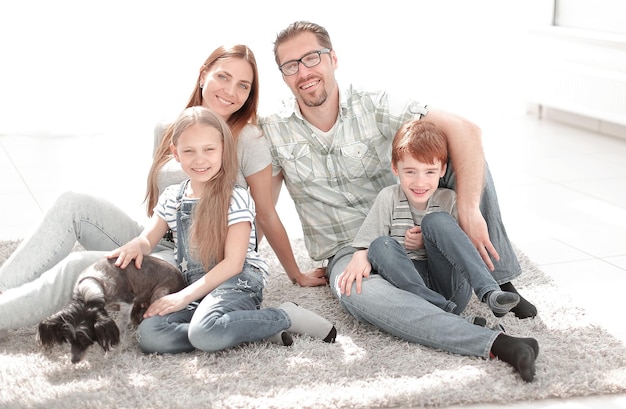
307,322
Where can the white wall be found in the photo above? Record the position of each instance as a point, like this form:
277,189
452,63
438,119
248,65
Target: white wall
119,66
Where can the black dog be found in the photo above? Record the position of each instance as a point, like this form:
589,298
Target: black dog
103,286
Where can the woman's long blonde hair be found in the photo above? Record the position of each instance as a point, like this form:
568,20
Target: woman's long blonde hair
209,224
237,121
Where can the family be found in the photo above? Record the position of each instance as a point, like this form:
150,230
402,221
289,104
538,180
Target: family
394,196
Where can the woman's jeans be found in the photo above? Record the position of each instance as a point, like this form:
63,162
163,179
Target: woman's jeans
446,279
228,316
37,280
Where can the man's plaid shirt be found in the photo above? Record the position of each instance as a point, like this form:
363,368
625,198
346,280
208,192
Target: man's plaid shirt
333,187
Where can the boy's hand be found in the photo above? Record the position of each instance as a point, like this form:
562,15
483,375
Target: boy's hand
357,268
413,238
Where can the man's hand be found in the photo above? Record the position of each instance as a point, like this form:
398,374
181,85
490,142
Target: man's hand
475,226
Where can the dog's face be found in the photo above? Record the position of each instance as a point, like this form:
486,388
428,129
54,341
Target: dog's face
80,325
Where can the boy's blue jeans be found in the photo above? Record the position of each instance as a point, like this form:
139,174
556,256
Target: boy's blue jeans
446,279
507,268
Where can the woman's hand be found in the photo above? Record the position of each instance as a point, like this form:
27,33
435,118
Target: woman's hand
312,278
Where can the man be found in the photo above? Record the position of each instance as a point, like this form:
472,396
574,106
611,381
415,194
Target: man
334,153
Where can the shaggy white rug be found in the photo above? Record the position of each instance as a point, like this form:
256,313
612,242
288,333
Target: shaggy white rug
365,368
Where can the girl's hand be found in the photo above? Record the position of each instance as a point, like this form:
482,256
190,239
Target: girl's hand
140,245
127,253
166,305
413,238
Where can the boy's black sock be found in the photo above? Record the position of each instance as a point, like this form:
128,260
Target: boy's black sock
524,309
521,353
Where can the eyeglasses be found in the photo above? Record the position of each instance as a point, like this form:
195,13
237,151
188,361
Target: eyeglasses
309,60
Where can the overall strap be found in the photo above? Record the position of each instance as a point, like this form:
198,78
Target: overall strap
169,235
181,191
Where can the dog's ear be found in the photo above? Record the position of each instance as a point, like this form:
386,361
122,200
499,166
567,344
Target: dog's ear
107,332
51,331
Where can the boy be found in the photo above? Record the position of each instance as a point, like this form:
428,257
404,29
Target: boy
411,237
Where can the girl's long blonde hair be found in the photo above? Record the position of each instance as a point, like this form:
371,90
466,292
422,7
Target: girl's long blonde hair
210,215
237,121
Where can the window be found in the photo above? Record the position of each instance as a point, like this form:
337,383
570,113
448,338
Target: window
607,16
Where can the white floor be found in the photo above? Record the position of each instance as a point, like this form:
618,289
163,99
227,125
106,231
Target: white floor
561,189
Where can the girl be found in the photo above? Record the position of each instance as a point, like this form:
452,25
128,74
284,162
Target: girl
212,222
37,280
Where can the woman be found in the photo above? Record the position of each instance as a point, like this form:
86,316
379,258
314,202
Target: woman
38,278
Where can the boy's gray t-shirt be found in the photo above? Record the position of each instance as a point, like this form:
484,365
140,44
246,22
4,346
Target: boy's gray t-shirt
392,215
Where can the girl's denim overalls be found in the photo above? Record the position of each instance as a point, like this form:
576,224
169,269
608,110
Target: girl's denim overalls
229,315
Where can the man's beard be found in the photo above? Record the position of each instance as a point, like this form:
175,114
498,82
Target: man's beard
316,101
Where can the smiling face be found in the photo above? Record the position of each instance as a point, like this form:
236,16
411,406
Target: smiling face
310,86
418,180
199,151
226,86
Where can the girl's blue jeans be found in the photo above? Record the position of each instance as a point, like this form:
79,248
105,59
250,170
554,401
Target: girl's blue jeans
228,316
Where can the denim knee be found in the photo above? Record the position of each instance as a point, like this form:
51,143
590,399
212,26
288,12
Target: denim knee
384,247
201,336
69,199
147,333
158,335
378,245
434,221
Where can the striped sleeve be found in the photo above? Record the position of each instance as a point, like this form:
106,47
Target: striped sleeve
241,207
166,206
